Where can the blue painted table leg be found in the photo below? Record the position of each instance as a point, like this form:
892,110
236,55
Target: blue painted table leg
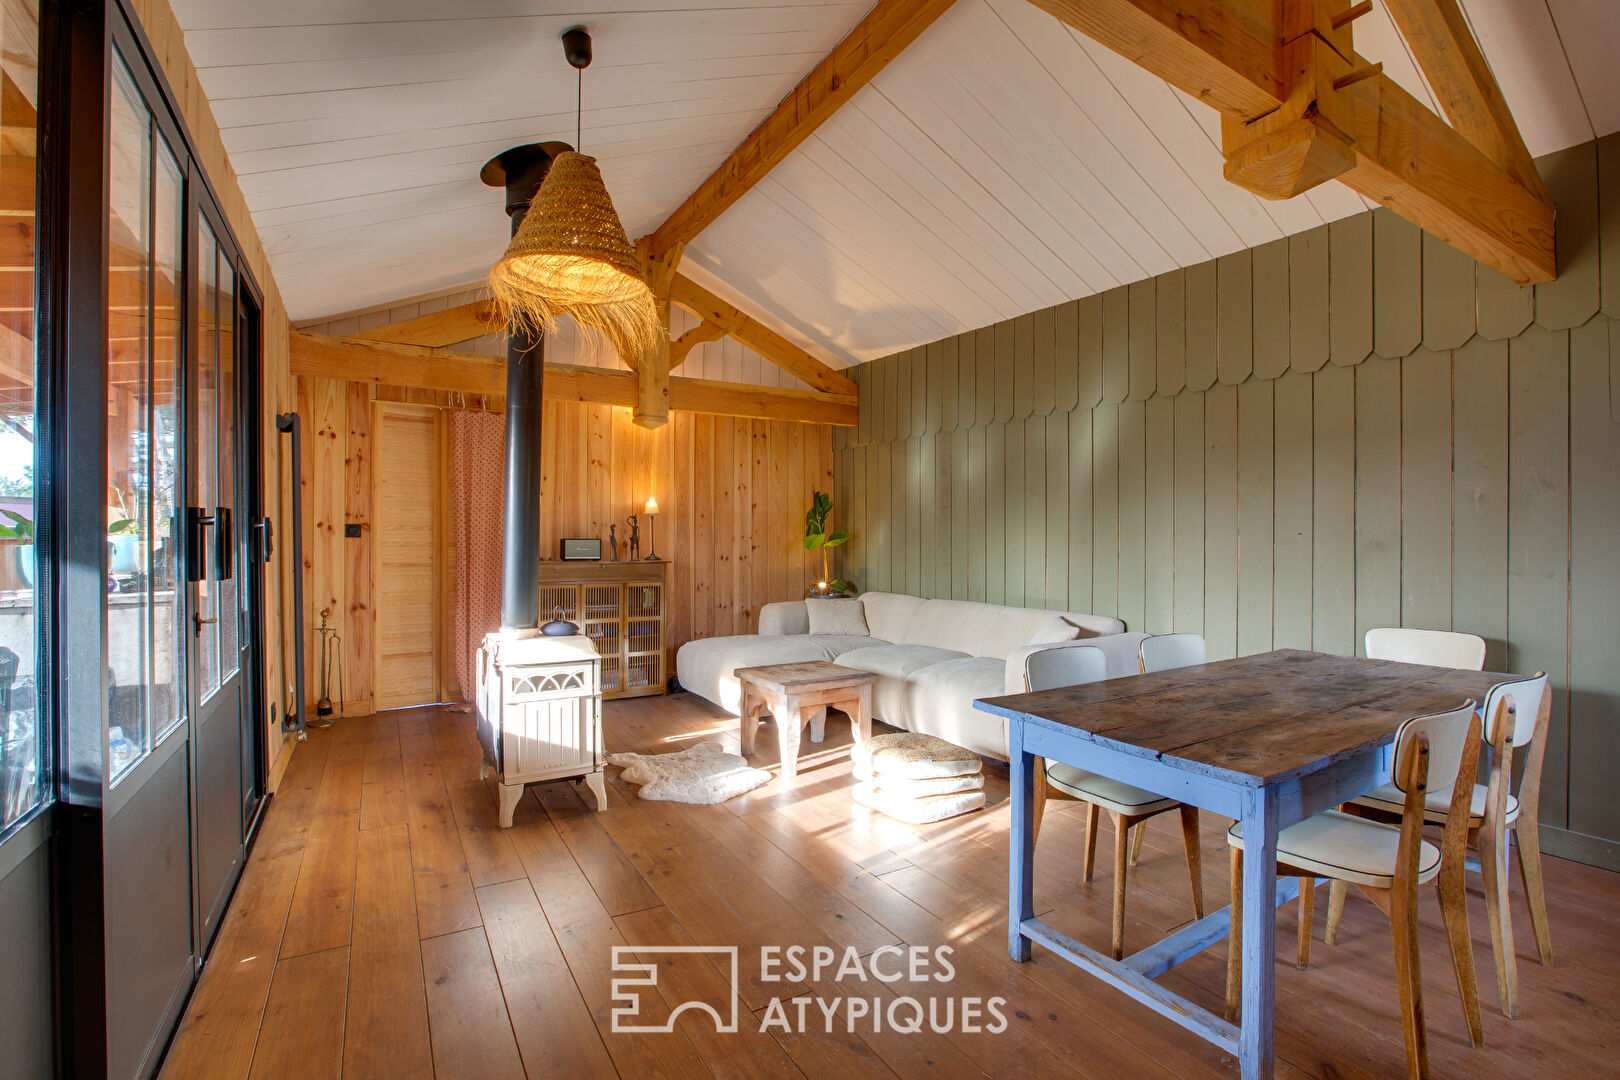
1257,1038
1021,857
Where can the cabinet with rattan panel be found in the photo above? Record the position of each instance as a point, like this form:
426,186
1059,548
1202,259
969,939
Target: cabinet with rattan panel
621,607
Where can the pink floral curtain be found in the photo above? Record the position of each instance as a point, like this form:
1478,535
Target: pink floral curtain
477,471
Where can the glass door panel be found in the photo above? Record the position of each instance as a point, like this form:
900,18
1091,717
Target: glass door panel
168,337
205,464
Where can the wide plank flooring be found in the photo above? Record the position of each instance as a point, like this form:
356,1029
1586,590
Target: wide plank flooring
386,926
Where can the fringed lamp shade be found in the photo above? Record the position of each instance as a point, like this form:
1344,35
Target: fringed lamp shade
571,257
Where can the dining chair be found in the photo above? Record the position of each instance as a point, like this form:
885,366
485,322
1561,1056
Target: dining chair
1126,805
1438,648
1162,652
1516,715
1388,863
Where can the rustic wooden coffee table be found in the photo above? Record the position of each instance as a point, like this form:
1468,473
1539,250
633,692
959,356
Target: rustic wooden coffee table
798,693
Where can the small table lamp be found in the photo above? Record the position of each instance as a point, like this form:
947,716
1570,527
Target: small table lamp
651,510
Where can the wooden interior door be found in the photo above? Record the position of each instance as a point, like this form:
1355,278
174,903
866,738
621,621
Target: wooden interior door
408,502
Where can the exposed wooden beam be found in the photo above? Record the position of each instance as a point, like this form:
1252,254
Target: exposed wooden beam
381,364
448,327
888,28
762,339
682,347
652,370
1443,45
1292,119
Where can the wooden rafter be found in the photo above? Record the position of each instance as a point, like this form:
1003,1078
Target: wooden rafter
449,327
682,347
383,364
757,336
888,28
1299,107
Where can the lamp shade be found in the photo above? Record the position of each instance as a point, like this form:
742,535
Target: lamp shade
651,509
571,257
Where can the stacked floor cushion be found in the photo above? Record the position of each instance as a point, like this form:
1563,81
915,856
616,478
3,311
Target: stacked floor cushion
917,778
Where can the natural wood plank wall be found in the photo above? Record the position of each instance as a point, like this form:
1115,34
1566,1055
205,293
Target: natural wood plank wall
732,495
1350,428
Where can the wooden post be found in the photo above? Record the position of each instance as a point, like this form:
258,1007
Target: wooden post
652,371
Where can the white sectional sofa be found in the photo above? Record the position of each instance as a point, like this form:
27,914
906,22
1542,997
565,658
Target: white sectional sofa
933,658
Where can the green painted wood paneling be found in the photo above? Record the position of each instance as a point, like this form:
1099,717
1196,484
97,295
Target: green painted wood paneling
1143,348
913,503
918,397
1171,304
948,383
1426,490
895,400
1293,525
1088,351
1256,494
1160,514
1221,521
1397,284
967,379
1448,295
1350,289
1333,522
995,514
978,513
1033,499
960,510
1013,547
1116,345
1479,495
1044,389
1234,305
1066,357
923,483
861,376
900,496
1202,327
1504,308
1308,299
1023,366
1105,510
985,346
1573,297
944,508
1188,577
1538,550
1006,373
935,386
1080,511
880,560
1056,453
1594,624
1270,298
1132,557
1378,496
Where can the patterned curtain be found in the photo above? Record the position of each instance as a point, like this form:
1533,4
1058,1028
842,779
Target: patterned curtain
477,473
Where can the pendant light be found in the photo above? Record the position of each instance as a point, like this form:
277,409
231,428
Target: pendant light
571,255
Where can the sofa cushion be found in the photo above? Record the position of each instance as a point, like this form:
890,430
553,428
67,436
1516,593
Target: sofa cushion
896,661
1054,630
835,616
784,617
888,614
939,700
985,629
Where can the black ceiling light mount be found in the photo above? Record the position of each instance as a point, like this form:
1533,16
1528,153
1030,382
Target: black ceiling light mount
577,47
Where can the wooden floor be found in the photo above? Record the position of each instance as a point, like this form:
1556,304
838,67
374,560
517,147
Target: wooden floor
385,927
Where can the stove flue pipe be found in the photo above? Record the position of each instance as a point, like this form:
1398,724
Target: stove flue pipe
520,170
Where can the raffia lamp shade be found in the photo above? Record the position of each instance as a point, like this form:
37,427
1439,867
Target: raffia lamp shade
571,257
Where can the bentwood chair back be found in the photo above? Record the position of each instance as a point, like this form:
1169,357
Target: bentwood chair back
1438,648
1067,666
1165,651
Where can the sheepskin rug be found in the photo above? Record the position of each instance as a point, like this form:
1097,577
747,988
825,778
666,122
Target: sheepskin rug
703,775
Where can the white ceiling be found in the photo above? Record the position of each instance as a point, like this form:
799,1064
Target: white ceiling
1002,164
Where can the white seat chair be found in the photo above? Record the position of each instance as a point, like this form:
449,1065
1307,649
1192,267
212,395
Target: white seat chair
1388,863
1438,648
1162,652
1126,805
1518,713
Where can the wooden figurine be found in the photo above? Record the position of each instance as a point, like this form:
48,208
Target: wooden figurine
613,542
635,538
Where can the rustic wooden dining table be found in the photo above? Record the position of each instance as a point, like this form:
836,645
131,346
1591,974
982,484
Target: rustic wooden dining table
1269,740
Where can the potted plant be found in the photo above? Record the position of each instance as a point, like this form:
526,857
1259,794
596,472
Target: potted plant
21,529
817,538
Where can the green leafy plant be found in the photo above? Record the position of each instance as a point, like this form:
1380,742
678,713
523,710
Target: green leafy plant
122,525
20,528
817,538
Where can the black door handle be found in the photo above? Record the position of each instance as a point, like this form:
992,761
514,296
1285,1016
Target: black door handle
224,544
197,523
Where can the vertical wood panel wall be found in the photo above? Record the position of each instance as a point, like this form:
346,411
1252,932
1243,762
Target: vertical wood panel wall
1353,427
732,495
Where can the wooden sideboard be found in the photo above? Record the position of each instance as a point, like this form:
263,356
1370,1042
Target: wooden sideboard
621,607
